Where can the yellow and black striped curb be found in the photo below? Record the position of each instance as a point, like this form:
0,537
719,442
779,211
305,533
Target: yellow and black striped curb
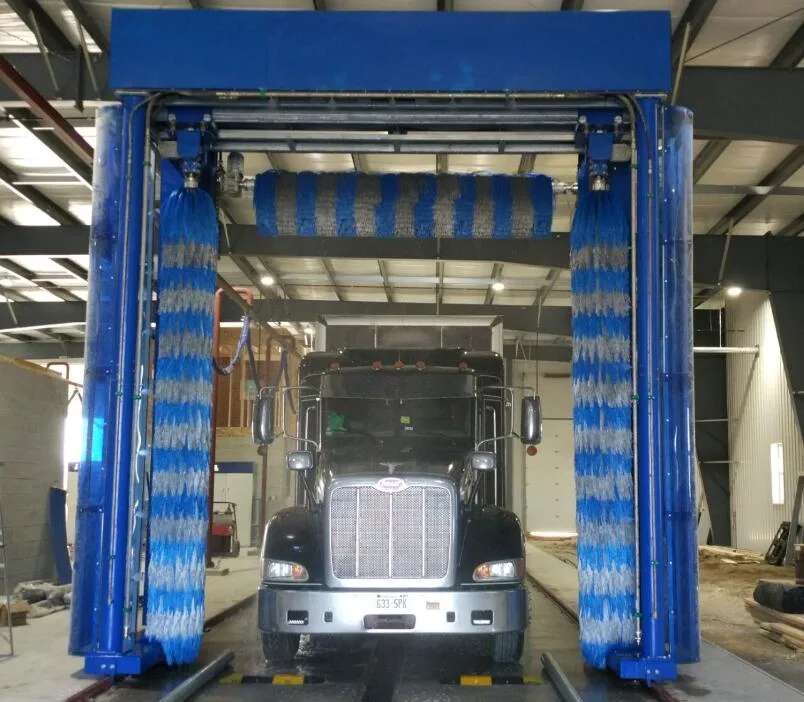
488,680
240,679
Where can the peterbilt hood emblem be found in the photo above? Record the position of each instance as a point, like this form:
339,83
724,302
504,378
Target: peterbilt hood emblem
390,485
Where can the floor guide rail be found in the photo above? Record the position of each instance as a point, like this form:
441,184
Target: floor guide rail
393,668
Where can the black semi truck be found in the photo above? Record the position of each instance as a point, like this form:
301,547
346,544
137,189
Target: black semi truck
400,523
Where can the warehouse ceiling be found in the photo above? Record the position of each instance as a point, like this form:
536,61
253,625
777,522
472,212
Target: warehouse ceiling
745,187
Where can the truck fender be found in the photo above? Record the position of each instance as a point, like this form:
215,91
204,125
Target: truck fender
490,534
293,535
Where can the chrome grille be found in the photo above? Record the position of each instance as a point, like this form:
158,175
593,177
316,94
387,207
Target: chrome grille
401,535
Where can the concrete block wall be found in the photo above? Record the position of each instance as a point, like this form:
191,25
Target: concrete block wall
33,407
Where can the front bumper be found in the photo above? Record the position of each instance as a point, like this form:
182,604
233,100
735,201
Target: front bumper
469,611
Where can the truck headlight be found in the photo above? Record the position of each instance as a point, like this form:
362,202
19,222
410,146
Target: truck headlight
283,571
498,571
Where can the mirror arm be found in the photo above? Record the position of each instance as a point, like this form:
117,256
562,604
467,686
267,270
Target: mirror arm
491,439
308,489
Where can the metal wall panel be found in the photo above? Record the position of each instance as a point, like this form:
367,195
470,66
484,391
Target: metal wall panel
762,412
546,503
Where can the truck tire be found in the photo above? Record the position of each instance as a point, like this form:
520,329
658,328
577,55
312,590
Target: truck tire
280,648
507,647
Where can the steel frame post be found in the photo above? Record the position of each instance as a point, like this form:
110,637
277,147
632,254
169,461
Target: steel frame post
652,662
678,442
116,651
101,370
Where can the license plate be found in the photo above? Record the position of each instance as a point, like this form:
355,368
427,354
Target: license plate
391,602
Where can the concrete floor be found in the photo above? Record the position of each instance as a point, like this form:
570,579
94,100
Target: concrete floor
390,668
719,675
42,671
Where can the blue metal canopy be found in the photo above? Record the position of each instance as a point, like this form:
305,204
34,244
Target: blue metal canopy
538,52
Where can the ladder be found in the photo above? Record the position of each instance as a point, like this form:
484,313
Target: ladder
8,634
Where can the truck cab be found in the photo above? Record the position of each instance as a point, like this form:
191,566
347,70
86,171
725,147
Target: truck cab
400,524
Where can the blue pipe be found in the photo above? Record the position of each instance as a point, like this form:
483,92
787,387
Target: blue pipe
131,237
651,584
100,374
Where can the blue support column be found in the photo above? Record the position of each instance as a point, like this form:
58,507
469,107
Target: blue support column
100,380
117,318
677,374
653,662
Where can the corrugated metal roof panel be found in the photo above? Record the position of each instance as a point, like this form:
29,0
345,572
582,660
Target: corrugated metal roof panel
730,20
745,163
396,267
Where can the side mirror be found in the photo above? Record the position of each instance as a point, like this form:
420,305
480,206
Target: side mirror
531,420
482,460
300,460
262,423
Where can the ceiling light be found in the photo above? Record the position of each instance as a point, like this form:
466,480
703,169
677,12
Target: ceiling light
497,286
267,280
734,291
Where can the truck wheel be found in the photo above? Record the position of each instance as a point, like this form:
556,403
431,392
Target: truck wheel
280,648
507,647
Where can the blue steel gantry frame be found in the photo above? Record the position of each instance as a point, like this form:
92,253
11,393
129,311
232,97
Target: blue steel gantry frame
191,63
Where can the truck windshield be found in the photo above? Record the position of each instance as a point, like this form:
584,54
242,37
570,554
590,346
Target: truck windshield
438,418
398,405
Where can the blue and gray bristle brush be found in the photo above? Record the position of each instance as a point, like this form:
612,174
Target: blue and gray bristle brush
182,424
601,368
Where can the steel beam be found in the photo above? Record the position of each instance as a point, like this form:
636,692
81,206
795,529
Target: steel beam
792,53
253,275
31,277
760,104
734,103
794,228
74,350
785,170
526,164
28,192
27,120
496,274
39,105
545,290
707,156
327,266
385,284
51,241
695,15
44,350
71,266
748,257
552,253
555,320
269,269
85,19
42,314
442,163
40,22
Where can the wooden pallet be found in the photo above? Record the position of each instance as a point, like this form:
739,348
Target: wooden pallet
782,628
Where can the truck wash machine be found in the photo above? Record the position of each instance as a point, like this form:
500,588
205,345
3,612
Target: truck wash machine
195,84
